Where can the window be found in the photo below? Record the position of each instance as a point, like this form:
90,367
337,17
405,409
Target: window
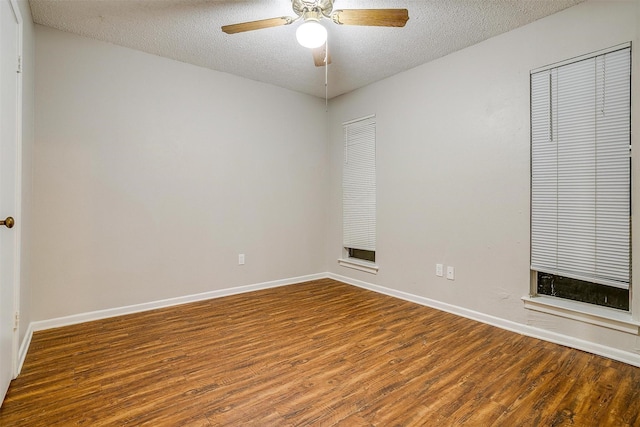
581,179
359,189
361,254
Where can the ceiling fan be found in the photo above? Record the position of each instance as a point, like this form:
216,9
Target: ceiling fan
312,34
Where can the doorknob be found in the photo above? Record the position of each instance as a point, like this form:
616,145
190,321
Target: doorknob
9,222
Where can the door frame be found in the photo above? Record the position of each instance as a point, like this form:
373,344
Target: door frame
18,195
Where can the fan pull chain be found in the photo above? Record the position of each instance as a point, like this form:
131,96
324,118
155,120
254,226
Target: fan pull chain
326,76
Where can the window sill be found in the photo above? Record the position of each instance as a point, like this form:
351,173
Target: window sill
357,264
588,313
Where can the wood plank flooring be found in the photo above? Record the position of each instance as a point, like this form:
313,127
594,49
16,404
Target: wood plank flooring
320,353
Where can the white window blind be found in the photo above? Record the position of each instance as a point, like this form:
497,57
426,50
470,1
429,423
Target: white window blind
359,185
581,170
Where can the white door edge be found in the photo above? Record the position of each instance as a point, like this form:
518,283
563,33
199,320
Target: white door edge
18,197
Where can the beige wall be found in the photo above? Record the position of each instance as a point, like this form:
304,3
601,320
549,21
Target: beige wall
151,176
453,167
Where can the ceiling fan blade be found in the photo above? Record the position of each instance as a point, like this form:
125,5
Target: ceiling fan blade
318,56
371,17
256,25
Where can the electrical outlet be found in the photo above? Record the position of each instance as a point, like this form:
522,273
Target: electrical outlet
241,259
450,273
439,270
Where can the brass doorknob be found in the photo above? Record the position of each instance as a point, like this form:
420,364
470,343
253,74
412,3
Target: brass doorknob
9,222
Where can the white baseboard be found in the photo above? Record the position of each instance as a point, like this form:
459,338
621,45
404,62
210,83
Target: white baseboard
137,308
531,331
554,337
24,347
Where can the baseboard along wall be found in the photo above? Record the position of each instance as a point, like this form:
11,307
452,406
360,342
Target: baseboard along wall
531,331
554,337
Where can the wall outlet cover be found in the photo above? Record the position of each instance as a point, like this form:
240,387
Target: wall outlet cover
450,273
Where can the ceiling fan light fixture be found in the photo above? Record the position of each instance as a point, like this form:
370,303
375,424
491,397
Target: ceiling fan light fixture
311,34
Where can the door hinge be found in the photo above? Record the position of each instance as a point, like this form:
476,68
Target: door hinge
19,64
16,321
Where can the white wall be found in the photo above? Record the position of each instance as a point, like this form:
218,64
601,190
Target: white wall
151,176
453,167
28,114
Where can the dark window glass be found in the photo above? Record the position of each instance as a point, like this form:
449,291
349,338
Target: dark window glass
362,254
579,290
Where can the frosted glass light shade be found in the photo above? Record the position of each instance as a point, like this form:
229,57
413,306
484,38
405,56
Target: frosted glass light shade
311,34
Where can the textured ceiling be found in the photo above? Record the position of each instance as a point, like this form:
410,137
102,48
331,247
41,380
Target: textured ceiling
189,31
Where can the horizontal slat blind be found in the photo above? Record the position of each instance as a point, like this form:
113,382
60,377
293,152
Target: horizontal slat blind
544,178
613,111
359,185
580,185
576,148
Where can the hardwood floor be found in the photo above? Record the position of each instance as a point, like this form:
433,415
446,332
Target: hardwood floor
320,353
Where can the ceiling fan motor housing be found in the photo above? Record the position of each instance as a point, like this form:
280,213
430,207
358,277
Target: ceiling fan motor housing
323,7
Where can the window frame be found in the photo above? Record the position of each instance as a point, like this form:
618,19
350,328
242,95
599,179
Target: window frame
346,259
625,321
